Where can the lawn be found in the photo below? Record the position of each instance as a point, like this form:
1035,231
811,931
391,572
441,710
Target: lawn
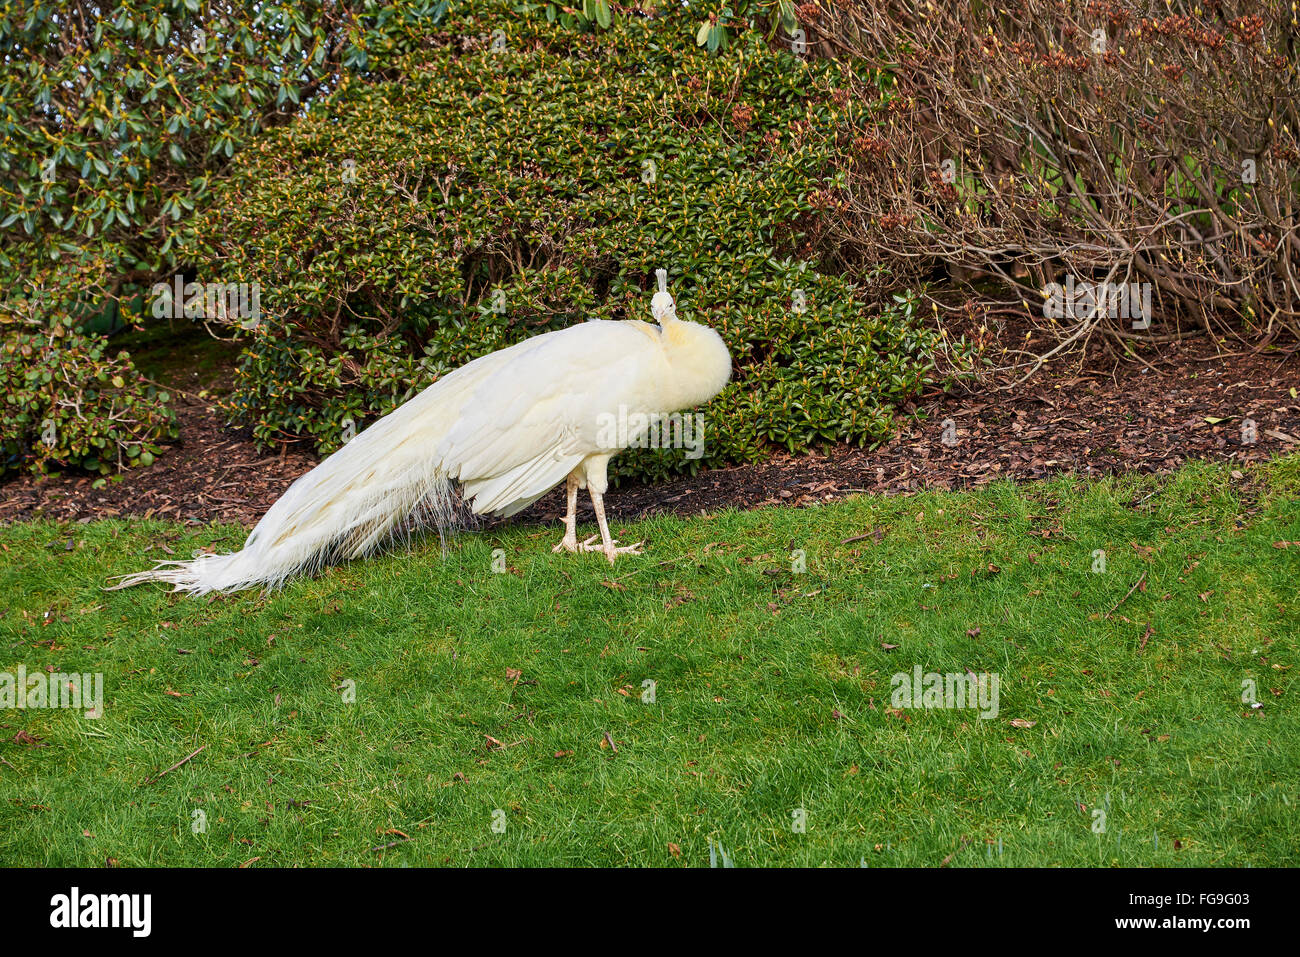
493,705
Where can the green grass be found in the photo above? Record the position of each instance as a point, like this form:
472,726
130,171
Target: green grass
772,690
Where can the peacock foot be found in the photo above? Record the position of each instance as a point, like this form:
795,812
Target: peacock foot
569,543
612,549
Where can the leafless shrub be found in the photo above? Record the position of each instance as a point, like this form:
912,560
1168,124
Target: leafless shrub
1105,141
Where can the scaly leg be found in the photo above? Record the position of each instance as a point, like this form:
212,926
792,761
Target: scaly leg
569,542
607,544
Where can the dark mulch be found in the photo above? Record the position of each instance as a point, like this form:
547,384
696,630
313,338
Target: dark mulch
1131,418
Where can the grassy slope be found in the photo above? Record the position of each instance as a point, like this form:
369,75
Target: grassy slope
771,691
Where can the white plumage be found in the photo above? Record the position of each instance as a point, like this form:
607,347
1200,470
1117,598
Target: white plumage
508,427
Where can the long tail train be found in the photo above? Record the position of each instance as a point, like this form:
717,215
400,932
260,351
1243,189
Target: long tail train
380,485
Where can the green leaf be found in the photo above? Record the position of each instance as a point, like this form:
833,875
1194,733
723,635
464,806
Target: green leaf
789,20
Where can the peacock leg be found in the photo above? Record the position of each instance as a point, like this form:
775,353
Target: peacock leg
569,542
608,545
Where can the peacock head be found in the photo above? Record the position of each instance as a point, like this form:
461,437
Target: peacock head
662,306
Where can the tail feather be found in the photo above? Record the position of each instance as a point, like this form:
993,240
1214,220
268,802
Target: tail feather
382,485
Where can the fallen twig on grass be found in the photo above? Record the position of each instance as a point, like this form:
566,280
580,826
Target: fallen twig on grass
1146,635
173,767
1141,579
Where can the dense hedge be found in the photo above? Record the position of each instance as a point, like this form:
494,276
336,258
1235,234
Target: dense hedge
521,177
66,399
115,121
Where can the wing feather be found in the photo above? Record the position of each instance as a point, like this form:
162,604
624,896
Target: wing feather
530,421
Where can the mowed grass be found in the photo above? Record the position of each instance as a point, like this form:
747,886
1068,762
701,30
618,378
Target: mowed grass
485,700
